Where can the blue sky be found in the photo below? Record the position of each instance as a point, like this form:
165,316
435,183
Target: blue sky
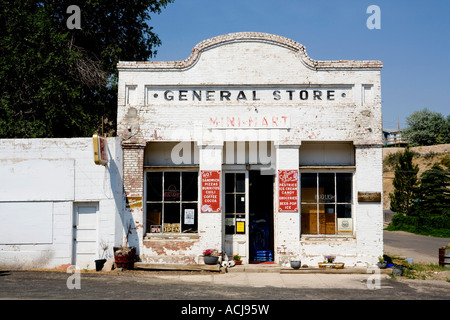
413,42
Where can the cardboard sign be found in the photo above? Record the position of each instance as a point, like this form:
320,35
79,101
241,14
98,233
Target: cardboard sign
210,191
345,225
288,190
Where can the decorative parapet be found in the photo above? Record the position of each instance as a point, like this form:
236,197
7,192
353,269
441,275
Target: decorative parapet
249,37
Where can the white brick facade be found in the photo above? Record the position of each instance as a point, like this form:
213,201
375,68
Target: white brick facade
239,90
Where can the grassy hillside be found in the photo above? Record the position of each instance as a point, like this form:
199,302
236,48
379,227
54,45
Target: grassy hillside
424,157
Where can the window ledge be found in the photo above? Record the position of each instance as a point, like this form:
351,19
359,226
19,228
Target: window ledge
327,168
173,236
327,237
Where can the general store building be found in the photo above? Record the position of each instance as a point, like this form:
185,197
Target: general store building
251,147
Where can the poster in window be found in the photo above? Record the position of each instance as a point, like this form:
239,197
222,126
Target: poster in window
240,225
210,191
288,190
189,215
345,225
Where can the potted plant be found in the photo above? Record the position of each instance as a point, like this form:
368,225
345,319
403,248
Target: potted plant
237,259
100,262
125,256
329,263
295,264
210,256
381,263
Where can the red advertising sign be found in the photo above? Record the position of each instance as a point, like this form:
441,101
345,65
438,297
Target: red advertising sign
210,191
288,190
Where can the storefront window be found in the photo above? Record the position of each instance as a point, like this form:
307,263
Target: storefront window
325,198
171,202
235,203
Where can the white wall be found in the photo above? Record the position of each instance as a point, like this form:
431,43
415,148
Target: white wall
41,179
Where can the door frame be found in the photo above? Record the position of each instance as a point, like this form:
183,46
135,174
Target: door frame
246,169
75,224
273,219
236,237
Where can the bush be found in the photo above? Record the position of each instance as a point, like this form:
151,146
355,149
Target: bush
437,226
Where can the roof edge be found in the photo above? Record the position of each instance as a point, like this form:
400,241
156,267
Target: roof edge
257,37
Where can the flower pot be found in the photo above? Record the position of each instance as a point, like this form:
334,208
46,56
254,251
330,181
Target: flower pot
295,264
99,264
334,265
238,263
211,260
397,271
382,265
125,257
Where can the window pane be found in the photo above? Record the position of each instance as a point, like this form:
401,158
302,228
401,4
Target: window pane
229,182
171,186
229,203
308,186
326,187
309,218
171,212
154,186
327,219
190,186
344,187
240,182
154,215
240,203
344,210
229,224
189,217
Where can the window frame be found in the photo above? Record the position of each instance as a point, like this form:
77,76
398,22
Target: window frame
162,201
235,194
317,203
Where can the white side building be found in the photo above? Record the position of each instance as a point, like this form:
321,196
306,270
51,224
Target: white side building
57,207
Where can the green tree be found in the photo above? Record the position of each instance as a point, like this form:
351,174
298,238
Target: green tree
61,82
405,184
426,127
434,191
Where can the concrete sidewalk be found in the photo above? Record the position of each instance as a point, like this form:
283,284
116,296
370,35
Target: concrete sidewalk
272,275
257,268
283,280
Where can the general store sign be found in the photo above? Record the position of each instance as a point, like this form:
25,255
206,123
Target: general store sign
288,190
210,190
155,95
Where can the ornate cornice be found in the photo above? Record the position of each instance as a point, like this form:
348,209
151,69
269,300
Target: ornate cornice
250,37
